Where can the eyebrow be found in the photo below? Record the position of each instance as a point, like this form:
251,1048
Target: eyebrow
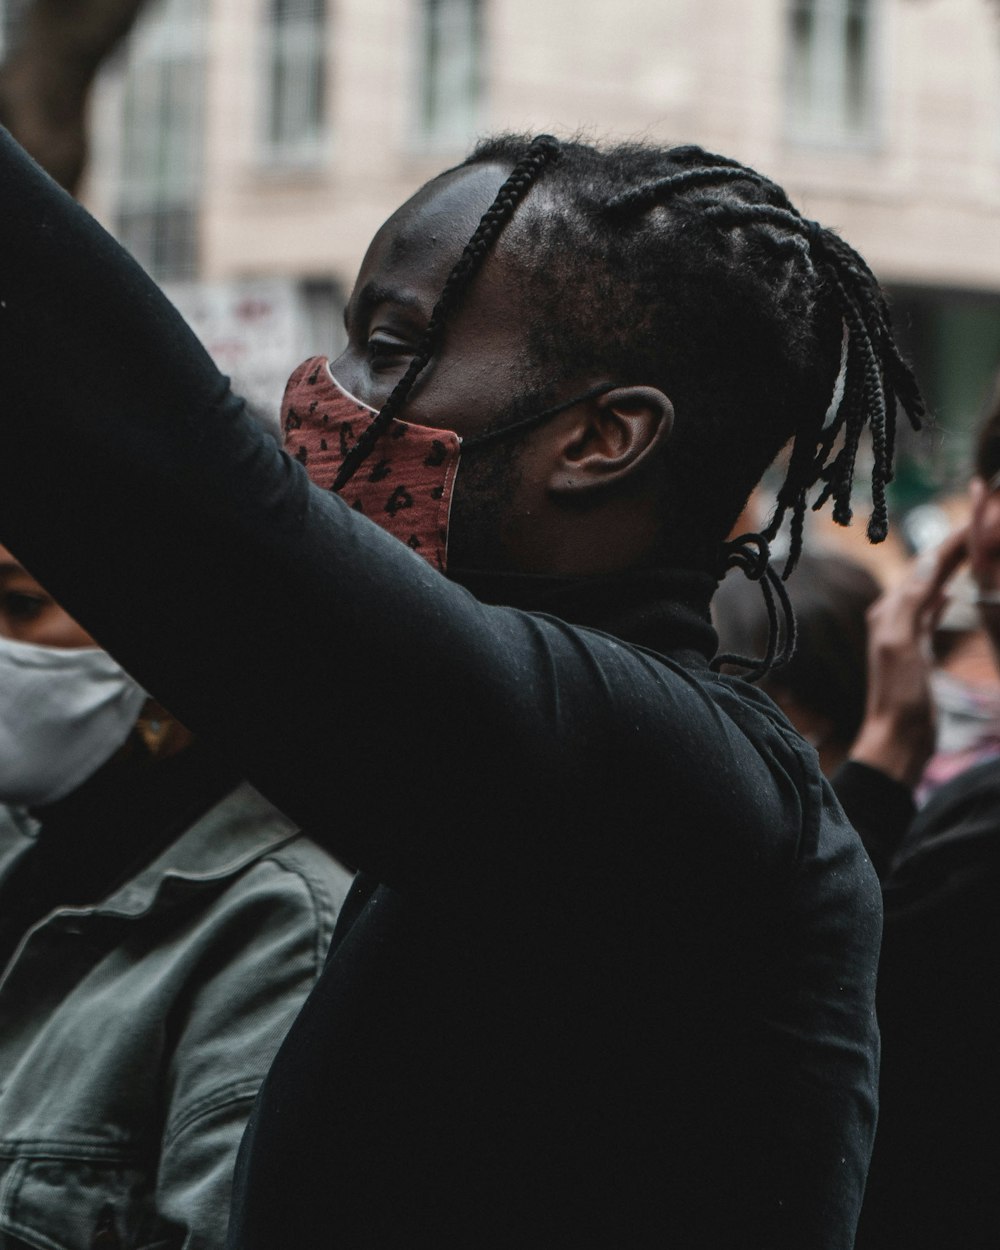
372,294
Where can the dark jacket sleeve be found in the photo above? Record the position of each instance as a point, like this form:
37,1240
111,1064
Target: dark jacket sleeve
421,735
880,809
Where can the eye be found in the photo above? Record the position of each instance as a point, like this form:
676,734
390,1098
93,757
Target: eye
16,605
384,346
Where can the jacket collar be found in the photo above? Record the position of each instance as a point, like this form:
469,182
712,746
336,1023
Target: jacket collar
237,831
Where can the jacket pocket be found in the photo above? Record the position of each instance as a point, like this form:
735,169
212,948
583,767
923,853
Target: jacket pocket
82,1204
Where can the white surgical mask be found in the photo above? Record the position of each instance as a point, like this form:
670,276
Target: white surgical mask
967,715
63,713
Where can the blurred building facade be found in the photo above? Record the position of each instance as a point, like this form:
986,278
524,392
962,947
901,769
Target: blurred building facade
246,150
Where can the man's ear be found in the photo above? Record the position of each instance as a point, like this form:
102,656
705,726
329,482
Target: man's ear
612,437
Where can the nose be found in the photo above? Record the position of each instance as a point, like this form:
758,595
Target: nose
348,373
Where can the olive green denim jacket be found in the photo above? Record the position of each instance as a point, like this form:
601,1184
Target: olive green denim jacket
134,1034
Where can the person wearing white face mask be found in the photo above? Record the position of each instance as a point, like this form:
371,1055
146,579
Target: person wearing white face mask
157,916
66,710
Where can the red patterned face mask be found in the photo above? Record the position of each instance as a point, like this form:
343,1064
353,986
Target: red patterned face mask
405,486
407,483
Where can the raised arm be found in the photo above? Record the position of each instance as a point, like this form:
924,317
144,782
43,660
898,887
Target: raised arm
377,703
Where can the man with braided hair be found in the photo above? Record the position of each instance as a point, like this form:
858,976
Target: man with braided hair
607,973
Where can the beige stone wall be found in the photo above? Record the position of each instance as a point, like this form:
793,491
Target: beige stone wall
922,202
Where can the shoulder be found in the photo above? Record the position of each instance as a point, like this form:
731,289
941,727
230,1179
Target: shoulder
826,846
779,777
242,844
303,870
974,792
953,847
289,892
241,877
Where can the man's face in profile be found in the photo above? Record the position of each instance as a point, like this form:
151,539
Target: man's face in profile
479,368
477,378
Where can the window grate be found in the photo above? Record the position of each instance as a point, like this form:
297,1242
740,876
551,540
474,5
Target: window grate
830,91
296,81
451,71
161,149
11,16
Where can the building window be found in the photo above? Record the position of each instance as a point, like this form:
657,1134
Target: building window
451,73
831,70
161,152
953,338
11,15
296,73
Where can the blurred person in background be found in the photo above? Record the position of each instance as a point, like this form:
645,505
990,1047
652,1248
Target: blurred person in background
965,689
937,1157
822,688
160,926
607,974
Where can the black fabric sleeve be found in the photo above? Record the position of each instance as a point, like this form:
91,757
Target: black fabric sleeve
879,808
421,735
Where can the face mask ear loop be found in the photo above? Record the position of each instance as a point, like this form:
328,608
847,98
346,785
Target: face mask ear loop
528,423
751,553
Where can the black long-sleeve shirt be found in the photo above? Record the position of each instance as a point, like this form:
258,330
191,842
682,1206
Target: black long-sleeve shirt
610,969
934,1170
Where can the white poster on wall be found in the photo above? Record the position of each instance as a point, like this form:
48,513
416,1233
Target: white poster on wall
256,330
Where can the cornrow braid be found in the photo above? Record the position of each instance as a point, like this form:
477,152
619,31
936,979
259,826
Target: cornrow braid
885,378
762,326
839,471
872,403
638,199
785,305
542,151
